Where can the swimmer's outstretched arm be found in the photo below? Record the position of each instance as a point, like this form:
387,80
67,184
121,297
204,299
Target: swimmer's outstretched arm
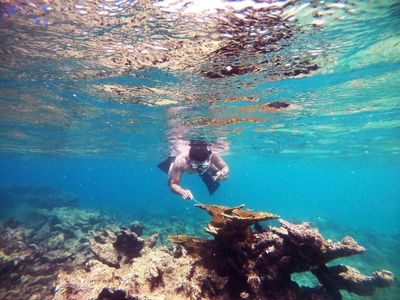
174,178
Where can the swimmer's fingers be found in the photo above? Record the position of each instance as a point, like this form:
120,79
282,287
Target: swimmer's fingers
223,177
220,176
187,195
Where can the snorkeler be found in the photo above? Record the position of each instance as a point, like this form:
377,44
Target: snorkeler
199,159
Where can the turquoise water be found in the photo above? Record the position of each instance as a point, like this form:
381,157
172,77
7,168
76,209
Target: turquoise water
93,98
361,194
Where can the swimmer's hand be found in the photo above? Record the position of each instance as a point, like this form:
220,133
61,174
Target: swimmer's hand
187,195
220,175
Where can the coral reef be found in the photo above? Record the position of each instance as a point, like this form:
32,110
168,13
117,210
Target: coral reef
23,271
155,274
111,248
32,257
258,265
238,263
67,253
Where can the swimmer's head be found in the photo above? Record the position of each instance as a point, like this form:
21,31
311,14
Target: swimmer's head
199,151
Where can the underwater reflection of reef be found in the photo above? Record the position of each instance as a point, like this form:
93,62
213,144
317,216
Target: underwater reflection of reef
225,39
141,95
275,106
220,121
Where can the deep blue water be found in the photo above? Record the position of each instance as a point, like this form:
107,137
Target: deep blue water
359,193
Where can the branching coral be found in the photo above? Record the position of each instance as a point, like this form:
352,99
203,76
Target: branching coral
259,265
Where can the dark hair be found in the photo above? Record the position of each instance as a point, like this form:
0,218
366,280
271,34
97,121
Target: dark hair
199,150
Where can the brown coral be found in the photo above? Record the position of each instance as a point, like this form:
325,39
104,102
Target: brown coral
259,265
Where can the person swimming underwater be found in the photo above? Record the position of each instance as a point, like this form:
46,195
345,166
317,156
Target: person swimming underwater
198,159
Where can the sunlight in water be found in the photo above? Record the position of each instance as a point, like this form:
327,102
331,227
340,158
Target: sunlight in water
125,67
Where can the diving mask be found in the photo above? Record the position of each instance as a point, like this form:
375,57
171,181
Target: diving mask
201,167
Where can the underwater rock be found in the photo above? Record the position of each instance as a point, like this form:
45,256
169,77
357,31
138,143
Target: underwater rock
128,243
318,249
56,256
22,273
32,257
102,246
155,277
152,240
177,251
156,274
114,249
106,294
346,278
259,265
56,241
137,227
